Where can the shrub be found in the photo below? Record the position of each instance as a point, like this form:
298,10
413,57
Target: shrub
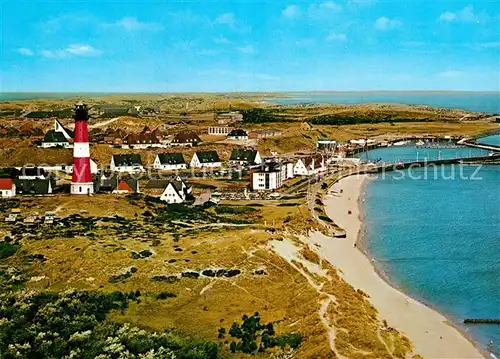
7,250
288,204
165,295
326,219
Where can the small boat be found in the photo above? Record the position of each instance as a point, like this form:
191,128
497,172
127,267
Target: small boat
420,143
401,143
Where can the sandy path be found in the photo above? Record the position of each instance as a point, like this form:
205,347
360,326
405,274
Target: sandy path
427,329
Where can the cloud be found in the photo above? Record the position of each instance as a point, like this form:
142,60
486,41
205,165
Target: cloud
361,2
74,50
305,42
336,37
323,9
25,51
383,23
465,15
227,19
450,74
222,40
291,11
132,24
247,50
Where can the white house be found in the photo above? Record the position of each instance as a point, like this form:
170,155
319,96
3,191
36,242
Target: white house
238,135
287,170
58,137
58,127
207,159
169,162
219,131
130,163
268,178
7,188
176,191
307,166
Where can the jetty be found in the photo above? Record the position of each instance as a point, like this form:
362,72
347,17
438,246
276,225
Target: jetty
482,321
471,143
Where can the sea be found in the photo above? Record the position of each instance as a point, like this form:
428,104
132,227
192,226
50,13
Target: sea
436,234
488,102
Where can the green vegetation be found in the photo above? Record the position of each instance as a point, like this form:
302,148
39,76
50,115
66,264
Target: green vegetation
7,250
356,119
73,324
259,115
234,209
252,336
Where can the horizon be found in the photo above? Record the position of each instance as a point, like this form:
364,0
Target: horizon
258,46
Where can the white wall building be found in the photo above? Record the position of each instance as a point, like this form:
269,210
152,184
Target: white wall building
7,188
176,191
208,159
268,178
307,166
130,163
169,162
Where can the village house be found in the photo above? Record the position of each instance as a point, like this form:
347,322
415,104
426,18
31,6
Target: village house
308,166
140,141
130,163
7,188
219,131
34,187
237,135
268,177
114,136
245,157
287,168
169,162
28,173
306,126
326,144
264,133
188,139
117,185
207,159
59,136
229,117
176,191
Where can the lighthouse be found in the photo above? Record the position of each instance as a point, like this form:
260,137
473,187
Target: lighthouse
81,182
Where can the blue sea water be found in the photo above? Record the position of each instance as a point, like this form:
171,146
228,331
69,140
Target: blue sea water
472,101
490,140
439,239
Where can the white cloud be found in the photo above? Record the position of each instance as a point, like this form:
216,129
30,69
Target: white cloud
450,74
25,51
465,15
82,50
291,11
222,40
323,9
132,24
247,50
227,19
73,50
336,37
383,23
361,2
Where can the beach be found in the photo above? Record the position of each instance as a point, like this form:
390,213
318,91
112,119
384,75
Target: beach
429,331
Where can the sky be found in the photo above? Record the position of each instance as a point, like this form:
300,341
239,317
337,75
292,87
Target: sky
224,46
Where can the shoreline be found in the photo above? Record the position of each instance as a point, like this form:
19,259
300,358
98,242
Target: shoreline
432,334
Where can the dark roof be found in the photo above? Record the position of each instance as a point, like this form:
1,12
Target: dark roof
237,133
111,183
142,138
157,184
69,132
171,158
36,186
53,136
208,157
186,137
132,159
243,155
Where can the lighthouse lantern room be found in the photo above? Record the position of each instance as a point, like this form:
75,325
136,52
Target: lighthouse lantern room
82,179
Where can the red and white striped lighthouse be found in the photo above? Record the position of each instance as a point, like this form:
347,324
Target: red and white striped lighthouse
82,178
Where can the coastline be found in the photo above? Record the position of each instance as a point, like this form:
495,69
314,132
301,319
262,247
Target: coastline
431,333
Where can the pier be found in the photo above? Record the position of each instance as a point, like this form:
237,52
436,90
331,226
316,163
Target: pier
469,143
482,321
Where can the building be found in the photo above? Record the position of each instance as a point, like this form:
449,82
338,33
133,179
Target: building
7,188
126,186
207,159
306,126
264,133
28,173
245,157
186,139
176,191
34,187
287,168
130,163
81,182
114,137
55,139
326,144
310,165
170,162
229,117
58,127
268,177
237,135
141,141
219,131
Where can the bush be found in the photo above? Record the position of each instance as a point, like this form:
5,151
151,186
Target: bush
7,250
234,210
165,295
288,204
326,219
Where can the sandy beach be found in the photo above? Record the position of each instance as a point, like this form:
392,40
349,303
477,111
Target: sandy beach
427,329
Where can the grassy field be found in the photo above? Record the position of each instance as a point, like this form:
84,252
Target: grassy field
281,291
